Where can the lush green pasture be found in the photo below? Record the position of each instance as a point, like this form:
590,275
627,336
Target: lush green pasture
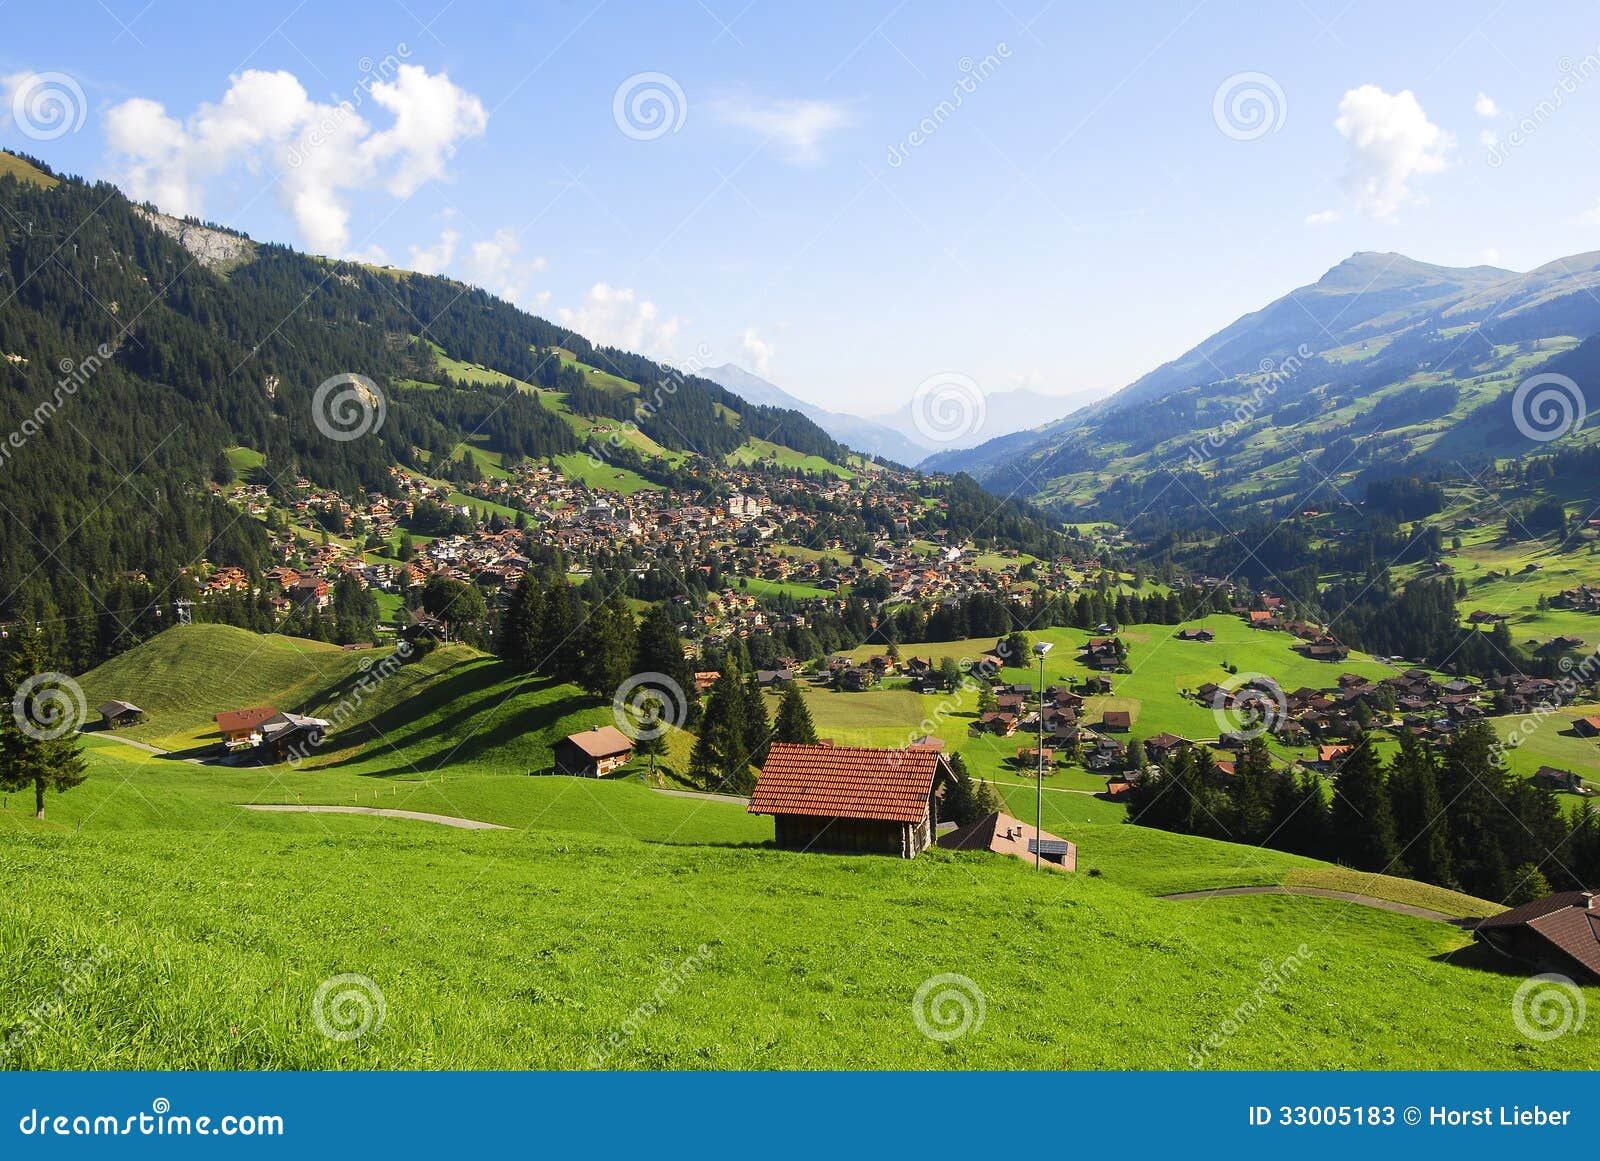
208,930
754,450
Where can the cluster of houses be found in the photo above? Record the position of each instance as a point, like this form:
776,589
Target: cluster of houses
1584,599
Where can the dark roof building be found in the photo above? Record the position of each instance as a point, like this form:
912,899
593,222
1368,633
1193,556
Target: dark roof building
845,798
119,713
1560,932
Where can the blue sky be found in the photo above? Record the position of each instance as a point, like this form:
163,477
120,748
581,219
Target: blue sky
1095,203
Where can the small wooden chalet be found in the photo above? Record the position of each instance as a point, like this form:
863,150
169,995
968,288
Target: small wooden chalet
850,799
120,713
593,753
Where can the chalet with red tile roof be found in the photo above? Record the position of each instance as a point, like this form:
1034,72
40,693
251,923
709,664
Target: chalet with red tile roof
863,801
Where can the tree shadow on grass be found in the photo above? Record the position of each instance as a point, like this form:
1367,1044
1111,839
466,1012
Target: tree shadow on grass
507,729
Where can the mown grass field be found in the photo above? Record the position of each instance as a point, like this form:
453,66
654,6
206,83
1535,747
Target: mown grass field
207,928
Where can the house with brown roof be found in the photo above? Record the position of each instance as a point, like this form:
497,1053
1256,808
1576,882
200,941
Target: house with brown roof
851,799
593,753
1119,720
1004,835
1560,932
1588,727
242,727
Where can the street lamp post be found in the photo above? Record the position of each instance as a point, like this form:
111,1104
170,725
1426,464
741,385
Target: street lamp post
1039,650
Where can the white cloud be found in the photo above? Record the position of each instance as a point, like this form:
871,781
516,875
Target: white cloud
758,351
1392,142
1323,218
495,265
1484,106
612,316
321,153
434,259
1491,256
799,126
1489,139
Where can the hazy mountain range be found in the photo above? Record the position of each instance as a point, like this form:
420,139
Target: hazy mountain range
896,436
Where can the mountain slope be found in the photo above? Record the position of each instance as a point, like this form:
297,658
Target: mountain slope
1378,362
128,369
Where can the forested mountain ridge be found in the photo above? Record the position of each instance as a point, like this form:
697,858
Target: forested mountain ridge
128,365
1382,363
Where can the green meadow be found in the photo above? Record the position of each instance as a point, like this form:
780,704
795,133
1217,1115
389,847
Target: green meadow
197,932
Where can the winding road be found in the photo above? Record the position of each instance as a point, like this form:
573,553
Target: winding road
381,812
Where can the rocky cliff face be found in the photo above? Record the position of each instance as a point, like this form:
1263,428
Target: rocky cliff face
216,249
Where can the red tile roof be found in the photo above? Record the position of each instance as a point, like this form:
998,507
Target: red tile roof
847,782
233,721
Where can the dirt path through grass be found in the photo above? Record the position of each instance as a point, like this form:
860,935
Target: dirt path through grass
381,812
1326,893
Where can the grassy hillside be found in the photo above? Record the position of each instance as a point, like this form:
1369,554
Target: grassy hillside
13,166
208,928
182,677
532,946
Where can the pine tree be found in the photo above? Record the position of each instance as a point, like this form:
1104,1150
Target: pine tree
1419,817
793,722
38,745
659,649
757,733
518,643
1527,884
606,648
558,640
1361,821
719,758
